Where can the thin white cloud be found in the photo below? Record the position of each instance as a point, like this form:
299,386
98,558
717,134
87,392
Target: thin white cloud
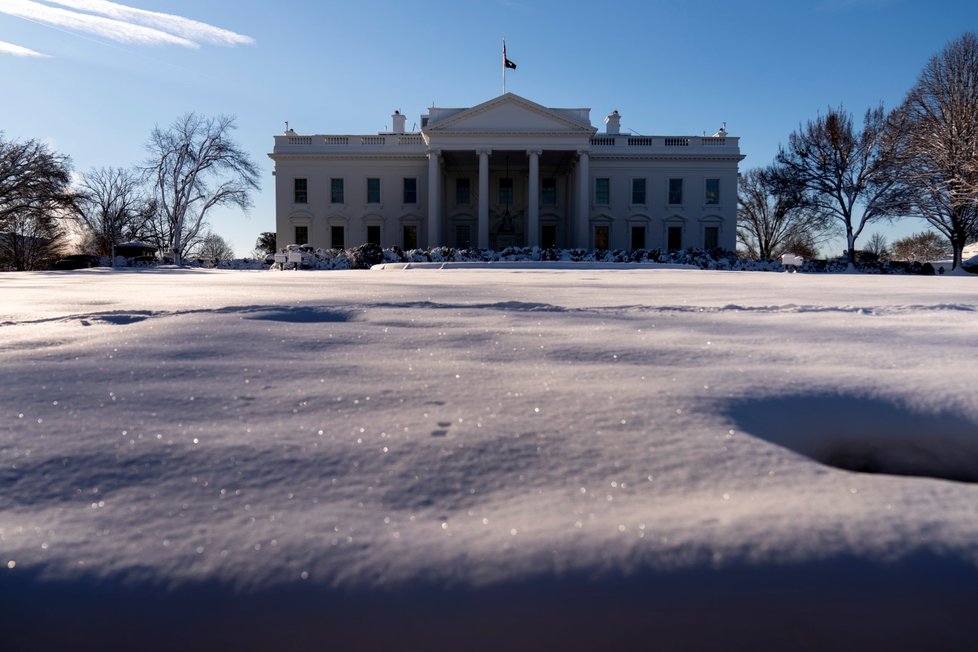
121,23
109,28
190,29
19,51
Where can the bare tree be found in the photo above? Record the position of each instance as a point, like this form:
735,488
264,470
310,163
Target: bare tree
923,246
936,136
844,172
35,196
112,209
773,216
877,246
213,248
194,166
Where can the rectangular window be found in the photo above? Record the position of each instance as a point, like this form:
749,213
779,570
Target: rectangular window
336,191
602,191
638,193
300,193
505,191
410,237
601,237
548,192
463,191
674,238
712,191
373,191
675,191
336,240
463,236
548,236
373,234
711,237
638,237
410,191
302,235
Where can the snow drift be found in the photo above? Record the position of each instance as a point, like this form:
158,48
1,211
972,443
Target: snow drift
480,459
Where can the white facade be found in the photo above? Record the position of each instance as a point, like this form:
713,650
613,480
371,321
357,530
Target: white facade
507,172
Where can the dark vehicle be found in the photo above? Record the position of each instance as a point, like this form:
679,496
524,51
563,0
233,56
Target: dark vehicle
77,261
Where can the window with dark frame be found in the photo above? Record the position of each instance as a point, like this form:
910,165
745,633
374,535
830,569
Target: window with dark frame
712,191
674,238
711,237
601,237
638,238
463,236
373,190
505,191
602,191
410,237
548,191
336,237
675,191
373,234
463,191
336,191
638,192
410,190
301,235
300,193
548,236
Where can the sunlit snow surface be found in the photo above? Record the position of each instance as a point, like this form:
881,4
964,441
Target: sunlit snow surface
488,459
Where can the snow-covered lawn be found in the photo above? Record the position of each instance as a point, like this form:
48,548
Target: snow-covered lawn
487,459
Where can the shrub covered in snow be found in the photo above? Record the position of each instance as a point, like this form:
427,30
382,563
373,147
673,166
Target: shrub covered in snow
365,256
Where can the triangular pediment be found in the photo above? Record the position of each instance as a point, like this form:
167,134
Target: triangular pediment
512,113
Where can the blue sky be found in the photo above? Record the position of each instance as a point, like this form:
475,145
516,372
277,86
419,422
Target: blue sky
326,67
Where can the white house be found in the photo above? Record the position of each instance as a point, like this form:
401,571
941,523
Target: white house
507,172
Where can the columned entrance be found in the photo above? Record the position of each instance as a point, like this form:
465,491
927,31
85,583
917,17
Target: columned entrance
498,198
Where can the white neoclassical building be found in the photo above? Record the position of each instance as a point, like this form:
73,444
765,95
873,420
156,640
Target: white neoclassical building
507,172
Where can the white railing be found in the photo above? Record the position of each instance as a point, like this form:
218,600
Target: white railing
351,141
663,141
599,141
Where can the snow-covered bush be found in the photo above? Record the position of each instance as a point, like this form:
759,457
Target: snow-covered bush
365,256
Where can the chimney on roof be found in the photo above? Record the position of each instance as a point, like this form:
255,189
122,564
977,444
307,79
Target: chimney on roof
397,121
613,123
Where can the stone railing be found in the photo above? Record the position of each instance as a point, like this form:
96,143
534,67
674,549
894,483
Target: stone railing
395,141
601,142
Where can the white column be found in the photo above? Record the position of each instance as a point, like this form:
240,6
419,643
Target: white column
484,198
533,197
434,199
583,200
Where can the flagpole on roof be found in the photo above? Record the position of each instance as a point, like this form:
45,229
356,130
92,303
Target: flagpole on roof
504,65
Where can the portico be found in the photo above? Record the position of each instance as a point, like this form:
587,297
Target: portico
494,198
508,145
